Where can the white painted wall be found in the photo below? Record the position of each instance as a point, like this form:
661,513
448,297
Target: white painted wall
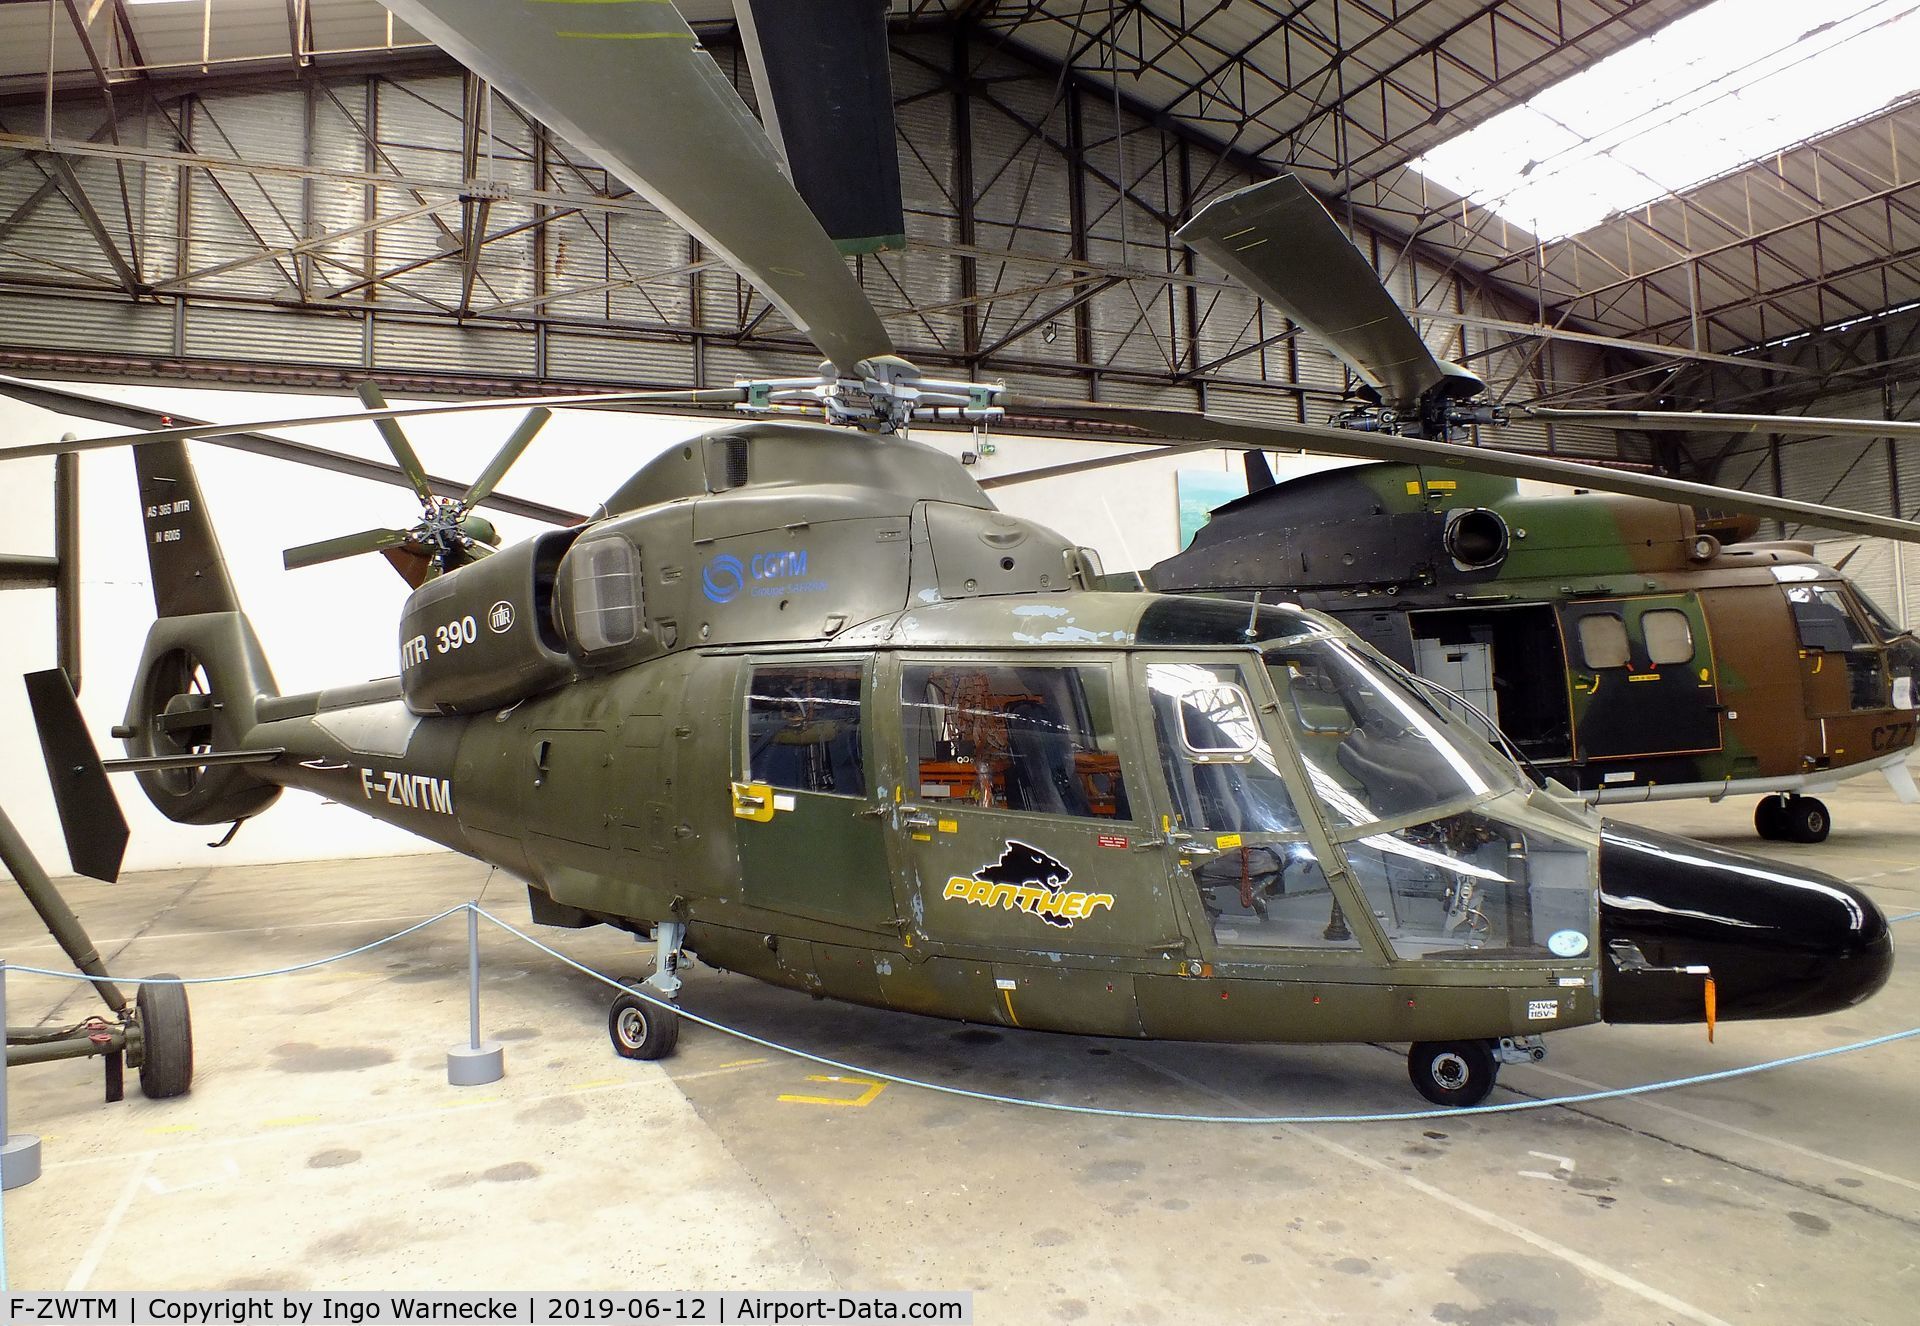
335,624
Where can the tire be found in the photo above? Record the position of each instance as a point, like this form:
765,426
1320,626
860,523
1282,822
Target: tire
642,1029
1770,819
166,1041
1807,820
1452,1074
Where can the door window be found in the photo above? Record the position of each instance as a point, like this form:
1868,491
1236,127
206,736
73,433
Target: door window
1669,636
1223,778
1039,739
803,728
1821,617
1603,641
1220,770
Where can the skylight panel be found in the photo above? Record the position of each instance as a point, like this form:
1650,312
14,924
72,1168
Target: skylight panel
1725,86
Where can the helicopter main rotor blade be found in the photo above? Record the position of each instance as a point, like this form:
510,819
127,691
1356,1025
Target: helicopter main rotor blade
1208,432
1692,421
79,405
703,396
504,458
396,439
629,84
346,545
1280,242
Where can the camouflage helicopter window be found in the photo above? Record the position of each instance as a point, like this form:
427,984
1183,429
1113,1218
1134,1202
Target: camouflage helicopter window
1474,887
803,728
1669,636
1821,617
1038,739
606,593
1603,641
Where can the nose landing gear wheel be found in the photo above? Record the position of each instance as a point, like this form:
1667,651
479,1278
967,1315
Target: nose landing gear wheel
1453,1074
642,1029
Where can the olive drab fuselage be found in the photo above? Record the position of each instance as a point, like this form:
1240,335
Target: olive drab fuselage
1629,649
809,695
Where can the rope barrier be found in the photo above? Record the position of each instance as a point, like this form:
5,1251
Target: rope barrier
1104,1111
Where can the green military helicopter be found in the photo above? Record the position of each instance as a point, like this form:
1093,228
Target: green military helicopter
801,701
1630,647
1627,648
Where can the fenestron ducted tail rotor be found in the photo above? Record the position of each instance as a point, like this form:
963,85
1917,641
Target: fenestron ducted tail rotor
448,533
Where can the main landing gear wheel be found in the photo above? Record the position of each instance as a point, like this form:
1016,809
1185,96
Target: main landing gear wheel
1453,1074
1793,819
641,1028
166,1041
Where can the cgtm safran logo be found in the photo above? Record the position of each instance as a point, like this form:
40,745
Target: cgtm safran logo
1026,879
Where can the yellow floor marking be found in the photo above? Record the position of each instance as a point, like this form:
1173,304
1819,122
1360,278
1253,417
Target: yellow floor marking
742,1063
290,1121
865,1098
175,1128
474,1103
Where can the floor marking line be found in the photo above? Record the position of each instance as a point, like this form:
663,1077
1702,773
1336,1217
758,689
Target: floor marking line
1737,1130
1591,1265
103,1237
864,1099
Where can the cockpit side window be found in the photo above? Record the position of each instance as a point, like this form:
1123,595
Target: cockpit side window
1821,616
1603,641
803,728
1036,738
1221,771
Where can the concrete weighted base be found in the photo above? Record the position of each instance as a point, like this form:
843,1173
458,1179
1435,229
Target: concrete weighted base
470,1067
19,1161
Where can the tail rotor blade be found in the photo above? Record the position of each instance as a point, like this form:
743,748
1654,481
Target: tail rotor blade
504,458
397,443
347,545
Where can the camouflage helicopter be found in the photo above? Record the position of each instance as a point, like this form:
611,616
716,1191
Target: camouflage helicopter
1631,648
1628,648
799,700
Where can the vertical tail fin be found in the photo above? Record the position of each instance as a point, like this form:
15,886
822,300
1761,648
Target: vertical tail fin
189,574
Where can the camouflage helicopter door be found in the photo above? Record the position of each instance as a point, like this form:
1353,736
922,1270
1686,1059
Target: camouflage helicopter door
1642,675
1017,821
807,823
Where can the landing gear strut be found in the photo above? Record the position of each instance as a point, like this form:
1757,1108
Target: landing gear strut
646,1028
1792,819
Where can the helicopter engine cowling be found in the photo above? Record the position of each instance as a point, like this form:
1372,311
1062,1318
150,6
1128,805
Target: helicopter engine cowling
485,635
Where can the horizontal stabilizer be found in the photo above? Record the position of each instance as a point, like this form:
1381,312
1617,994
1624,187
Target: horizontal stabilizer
90,815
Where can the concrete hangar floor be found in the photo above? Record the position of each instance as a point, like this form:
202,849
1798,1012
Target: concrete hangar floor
321,1147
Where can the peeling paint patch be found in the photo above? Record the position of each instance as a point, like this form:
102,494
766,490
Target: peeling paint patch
882,967
1064,635
1039,610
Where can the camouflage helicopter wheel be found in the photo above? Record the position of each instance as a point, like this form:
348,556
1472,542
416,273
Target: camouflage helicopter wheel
642,1028
1455,1074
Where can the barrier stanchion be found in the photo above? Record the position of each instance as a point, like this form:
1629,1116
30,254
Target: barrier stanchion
477,1062
19,1155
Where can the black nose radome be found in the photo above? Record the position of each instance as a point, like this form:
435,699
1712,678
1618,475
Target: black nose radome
1778,940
